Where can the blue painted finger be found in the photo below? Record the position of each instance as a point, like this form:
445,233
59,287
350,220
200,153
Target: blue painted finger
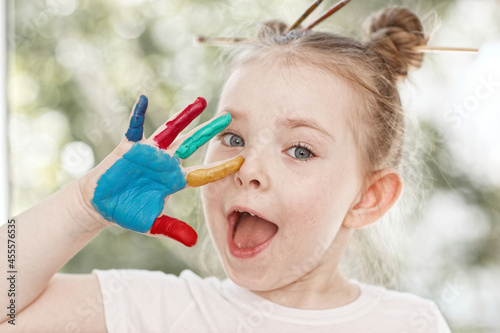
136,127
202,136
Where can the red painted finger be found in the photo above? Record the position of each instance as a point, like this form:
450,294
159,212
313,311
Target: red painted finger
175,229
173,127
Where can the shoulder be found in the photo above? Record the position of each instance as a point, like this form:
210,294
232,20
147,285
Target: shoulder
134,300
117,280
415,313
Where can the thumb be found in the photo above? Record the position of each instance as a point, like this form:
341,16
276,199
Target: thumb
175,229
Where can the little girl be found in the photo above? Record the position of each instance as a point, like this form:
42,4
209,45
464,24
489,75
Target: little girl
305,151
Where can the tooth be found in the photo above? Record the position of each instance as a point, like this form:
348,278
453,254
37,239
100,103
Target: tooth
251,214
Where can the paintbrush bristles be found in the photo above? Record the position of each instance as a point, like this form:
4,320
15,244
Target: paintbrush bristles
430,49
328,13
220,40
308,11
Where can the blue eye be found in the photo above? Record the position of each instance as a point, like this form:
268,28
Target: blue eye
232,140
300,152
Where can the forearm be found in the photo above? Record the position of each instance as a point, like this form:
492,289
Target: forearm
46,237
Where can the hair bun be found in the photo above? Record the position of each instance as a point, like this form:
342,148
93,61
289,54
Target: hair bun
393,33
273,27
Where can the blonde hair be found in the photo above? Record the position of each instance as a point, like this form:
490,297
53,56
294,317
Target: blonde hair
373,67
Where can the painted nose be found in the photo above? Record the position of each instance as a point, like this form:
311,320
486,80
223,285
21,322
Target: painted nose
253,173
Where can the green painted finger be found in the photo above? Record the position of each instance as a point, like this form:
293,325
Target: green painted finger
200,137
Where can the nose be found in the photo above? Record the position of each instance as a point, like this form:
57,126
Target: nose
253,173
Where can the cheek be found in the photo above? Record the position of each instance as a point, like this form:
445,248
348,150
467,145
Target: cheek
212,191
211,195
211,154
322,200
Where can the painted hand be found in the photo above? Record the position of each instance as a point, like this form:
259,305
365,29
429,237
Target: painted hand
133,191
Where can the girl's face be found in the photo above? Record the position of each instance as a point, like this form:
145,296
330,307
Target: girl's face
278,220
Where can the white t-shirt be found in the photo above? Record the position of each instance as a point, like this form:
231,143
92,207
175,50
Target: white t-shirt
144,301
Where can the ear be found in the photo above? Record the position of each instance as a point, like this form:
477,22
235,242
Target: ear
384,189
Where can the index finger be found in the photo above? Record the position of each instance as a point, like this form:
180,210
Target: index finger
173,127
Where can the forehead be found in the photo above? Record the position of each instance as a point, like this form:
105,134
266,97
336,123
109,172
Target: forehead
267,89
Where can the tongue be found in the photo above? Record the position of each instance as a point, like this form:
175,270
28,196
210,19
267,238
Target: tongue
252,231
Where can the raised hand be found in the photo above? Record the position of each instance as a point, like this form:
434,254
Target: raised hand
133,191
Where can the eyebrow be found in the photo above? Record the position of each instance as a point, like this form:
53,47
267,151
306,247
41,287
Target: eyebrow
306,122
288,122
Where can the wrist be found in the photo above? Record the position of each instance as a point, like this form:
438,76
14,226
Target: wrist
80,207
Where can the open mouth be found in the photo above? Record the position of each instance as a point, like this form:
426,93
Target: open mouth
249,233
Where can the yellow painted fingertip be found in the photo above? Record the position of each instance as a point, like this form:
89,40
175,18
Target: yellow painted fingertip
204,176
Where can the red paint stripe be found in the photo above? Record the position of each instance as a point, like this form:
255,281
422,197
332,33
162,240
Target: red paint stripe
176,125
175,229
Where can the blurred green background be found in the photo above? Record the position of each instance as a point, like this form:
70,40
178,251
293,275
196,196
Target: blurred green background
76,68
